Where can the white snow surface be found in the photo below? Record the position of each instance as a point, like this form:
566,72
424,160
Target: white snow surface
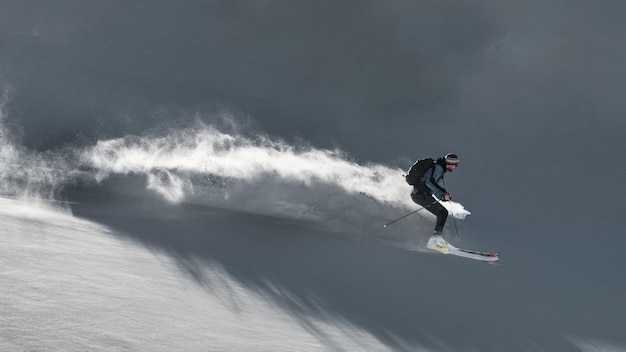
71,285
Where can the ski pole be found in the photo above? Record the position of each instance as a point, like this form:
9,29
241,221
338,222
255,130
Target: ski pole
411,213
456,228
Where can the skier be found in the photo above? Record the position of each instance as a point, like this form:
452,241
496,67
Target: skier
431,183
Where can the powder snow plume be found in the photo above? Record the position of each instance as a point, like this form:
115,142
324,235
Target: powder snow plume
202,164
261,175
24,173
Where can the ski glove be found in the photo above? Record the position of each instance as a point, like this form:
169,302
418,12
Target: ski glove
447,196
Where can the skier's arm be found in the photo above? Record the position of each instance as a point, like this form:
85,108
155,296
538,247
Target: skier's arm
430,181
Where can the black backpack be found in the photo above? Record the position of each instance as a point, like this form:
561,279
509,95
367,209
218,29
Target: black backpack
418,170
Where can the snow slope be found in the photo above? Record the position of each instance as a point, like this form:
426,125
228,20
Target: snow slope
71,284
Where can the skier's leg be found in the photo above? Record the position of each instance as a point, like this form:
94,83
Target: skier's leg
437,209
442,215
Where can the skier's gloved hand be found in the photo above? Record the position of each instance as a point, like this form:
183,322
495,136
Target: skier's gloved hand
447,196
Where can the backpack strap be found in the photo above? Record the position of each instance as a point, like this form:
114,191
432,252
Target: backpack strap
441,162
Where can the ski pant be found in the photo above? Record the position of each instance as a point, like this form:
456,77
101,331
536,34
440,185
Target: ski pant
426,200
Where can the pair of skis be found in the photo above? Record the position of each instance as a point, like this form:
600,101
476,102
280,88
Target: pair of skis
443,246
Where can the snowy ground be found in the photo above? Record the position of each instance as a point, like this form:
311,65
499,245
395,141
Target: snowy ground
70,284
110,277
